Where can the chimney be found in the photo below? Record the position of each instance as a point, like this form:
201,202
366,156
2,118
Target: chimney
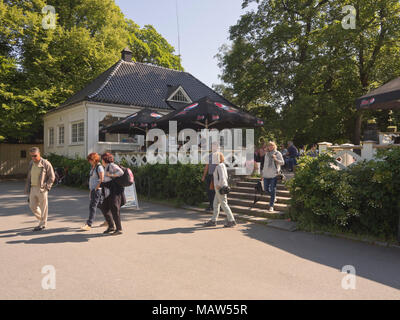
126,55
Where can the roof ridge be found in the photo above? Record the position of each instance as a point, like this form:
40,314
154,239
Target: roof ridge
153,65
220,95
106,81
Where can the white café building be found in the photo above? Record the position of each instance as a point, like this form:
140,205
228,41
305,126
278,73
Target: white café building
73,128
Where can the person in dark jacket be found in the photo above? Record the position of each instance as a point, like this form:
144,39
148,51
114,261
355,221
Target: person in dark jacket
208,176
313,152
114,196
293,154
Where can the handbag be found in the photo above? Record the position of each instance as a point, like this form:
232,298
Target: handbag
225,190
258,189
281,176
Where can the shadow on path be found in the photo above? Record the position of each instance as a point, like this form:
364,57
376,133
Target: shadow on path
198,227
61,238
380,264
29,232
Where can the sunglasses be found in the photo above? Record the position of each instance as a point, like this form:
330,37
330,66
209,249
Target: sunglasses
34,156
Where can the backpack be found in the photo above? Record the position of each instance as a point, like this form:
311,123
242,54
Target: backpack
126,179
97,170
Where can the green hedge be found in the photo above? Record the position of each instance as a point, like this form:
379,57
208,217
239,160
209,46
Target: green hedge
364,199
77,169
181,182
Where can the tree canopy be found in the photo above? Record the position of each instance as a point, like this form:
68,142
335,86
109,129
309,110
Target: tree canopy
41,67
296,65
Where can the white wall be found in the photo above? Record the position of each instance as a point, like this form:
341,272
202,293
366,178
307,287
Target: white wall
65,117
91,114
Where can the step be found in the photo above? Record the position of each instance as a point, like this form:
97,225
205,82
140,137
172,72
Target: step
263,205
248,196
255,179
238,209
238,216
245,184
280,193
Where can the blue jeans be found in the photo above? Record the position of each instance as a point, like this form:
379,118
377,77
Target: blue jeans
270,189
95,200
290,163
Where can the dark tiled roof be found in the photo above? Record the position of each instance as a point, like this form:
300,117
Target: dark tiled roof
390,86
140,84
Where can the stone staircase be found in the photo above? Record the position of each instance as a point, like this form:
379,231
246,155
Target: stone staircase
241,201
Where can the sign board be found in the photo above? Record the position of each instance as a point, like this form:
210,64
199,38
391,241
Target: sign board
131,197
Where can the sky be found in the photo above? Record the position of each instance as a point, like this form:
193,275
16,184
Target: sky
203,24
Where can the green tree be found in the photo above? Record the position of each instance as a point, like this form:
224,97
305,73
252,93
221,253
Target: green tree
296,57
149,46
41,67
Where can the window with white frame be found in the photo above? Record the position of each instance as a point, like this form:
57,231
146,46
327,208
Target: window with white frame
51,136
61,133
180,96
77,132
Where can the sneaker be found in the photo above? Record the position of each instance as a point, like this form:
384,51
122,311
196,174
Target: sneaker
116,233
210,223
109,230
86,228
271,209
104,224
39,228
230,224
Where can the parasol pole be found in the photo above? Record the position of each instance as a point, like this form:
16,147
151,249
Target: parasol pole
145,138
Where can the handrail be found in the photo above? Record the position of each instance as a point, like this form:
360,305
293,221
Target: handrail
385,146
188,152
346,147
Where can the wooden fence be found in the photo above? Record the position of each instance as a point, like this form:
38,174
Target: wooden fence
14,159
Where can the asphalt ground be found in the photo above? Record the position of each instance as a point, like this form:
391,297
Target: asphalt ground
166,253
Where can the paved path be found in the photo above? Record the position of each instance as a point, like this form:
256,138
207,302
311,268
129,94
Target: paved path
166,254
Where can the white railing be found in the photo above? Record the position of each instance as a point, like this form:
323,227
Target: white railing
387,137
233,158
345,156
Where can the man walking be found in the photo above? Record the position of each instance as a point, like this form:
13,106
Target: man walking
38,183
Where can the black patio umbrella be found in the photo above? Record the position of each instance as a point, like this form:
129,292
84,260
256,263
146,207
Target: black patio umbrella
384,97
137,123
208,114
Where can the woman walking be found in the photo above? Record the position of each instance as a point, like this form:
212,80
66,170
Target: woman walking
273,161
114,195
220,176
95,180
